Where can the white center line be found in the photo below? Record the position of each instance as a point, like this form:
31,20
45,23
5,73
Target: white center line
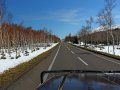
72,52
50,67
79,58
68,48
101,57
82,61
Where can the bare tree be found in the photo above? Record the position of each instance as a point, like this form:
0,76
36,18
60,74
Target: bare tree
102,22
110,4
105,19
2,14
84,35
9,20
89,25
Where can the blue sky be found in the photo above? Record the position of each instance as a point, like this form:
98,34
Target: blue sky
60,16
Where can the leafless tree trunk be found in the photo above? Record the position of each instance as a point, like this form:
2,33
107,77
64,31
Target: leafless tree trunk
84,35
2,14
90,21
110,4
108,40
105,19
9,19
117,37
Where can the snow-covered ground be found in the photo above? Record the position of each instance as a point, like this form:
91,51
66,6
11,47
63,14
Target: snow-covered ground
8,63
103,48
79,44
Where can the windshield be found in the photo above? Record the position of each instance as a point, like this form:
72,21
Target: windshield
55,35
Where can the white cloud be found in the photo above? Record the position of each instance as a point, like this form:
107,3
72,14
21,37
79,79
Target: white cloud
72,16
67,16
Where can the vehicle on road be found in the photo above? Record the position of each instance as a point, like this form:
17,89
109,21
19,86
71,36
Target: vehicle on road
80,80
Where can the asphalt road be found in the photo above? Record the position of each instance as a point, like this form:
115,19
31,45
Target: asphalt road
65,57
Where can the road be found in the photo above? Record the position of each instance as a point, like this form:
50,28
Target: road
66,57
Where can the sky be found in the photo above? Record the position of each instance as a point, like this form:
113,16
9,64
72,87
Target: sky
59,16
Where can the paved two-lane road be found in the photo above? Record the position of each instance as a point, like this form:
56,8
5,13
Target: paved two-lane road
65,57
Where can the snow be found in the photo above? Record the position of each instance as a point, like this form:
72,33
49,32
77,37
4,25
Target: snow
101,28
105,49
77,44
6,64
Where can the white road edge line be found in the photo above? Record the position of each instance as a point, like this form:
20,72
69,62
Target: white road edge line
107,59
50,67
102,57
82,61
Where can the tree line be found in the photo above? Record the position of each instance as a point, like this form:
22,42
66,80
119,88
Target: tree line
14,37
107,36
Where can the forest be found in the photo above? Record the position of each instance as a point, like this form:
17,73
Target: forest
18,38
96,37
105,20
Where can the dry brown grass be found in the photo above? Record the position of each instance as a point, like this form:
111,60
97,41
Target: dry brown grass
10,75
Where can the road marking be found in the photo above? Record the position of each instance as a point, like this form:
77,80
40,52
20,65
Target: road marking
82,61
67,47
106,59
100,56
50,67
79,58
72,52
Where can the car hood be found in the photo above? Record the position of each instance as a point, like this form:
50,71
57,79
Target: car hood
82,82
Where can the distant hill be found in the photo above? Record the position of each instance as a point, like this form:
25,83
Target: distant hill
102,29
